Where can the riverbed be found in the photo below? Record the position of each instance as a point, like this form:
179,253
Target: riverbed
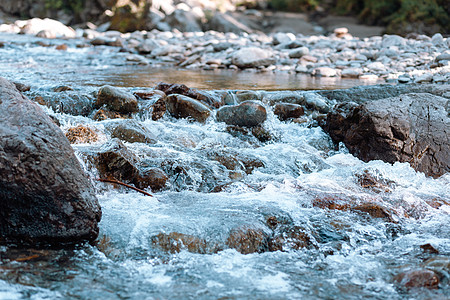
176,245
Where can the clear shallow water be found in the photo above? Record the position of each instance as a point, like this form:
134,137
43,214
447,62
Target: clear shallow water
350,254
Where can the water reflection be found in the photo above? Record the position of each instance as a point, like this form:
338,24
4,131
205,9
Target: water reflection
221,79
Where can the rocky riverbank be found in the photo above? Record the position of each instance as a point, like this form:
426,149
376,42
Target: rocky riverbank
390,58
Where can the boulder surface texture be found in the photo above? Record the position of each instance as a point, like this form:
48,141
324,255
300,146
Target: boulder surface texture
45,198
412,128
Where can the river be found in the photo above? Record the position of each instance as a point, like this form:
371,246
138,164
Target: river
285,184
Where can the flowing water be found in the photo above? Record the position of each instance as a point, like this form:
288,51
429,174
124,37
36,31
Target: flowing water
297,187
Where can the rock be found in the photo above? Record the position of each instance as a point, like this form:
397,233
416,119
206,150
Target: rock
81,135
155,178
286,111
114,160
21,87
375,211
325,72
351,73
340,32
249,114
410,128
392,40
252,57
427,77
158,109
53,28
102,114
289,237
116,100
283,38
315,101
223,22
203,96
45,198
181,106
249,239
418,279
443,56
131,131
184,20
298,52
70,102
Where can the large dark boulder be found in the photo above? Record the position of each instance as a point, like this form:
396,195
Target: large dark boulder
412,128
45,198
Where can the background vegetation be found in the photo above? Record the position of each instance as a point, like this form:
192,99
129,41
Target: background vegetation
400,16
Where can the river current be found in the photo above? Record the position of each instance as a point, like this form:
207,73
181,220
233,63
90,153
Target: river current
143,250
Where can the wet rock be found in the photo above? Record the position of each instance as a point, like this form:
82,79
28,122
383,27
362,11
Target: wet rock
410,128
62,88
131,131
103,114
114,160
116,100
70,102
158,109
175,242
418,279
289,237
331,202
375,210
262,134
373,182
249,239
155,178
45,197
429,248
252,57
440,265
286,111
248,113
203,96
181,106
81,135
21,87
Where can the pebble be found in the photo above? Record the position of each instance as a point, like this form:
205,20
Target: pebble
420,58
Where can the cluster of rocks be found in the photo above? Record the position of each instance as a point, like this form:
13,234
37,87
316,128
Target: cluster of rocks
392,58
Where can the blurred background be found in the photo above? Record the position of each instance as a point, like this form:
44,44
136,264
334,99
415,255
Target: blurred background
363,17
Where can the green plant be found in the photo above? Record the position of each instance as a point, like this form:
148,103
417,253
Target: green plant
70,6
294,5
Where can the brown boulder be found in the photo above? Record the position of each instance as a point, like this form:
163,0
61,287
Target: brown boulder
249,239
248,114
45,197
410,128
286,111
131,131
116,100
206,98
113,160
180,106
417,279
